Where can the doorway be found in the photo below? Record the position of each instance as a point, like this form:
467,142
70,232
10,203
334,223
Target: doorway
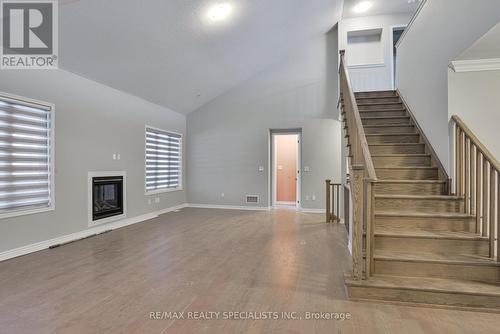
396,34
285,167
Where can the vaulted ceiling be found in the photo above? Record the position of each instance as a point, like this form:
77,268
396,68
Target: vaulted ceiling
169,52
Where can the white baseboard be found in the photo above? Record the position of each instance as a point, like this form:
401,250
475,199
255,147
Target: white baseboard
83,234
229,207
313,210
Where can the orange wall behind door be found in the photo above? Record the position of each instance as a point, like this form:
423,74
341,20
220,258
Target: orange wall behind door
286,168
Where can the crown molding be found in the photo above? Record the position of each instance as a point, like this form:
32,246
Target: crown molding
475,65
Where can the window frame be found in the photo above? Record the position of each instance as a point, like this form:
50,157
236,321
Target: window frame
52,161
181,164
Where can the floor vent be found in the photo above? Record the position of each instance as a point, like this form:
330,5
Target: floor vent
252,199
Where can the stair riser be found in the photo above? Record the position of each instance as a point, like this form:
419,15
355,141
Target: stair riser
440,270
409,188
390,129
401,161
425,297
393,139
397,149
419,205
432,245
427,223
375,94
377,100
389,106
386,121
407,174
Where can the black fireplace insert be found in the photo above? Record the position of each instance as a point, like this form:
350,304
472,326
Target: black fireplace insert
107,196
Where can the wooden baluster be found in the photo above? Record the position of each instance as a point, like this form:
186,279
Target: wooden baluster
327,200
479,157
492,210
485,198
466,174
338,203
357,173
498,217
369,263
459,162
473,185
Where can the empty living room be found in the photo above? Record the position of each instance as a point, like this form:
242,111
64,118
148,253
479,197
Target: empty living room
242,166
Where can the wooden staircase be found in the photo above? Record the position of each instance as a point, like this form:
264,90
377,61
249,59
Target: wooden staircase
425,246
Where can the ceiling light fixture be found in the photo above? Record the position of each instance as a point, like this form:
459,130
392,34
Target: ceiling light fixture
219,12
362,7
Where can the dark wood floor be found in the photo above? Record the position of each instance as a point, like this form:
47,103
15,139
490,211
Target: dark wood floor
210,261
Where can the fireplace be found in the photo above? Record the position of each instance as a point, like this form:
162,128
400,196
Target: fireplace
106,197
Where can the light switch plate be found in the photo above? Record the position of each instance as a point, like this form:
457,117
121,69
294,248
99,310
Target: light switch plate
306,169
261,168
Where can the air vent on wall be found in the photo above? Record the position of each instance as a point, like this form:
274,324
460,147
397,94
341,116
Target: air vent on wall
252,199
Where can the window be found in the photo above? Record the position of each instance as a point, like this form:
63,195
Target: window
26,156
163,161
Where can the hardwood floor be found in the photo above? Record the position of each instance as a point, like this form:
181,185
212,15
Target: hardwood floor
209,261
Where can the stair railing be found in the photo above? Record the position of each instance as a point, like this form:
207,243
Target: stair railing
332,201
477,181
362,177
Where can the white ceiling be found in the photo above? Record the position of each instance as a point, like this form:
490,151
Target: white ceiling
487,47
167,52
381,7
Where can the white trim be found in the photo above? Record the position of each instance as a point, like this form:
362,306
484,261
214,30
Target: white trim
228,207
305,210
9,254
91,175
51,108
413,18
354,66
475,65
285,203
181,164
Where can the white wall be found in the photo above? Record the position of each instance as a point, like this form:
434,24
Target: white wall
92,122
441,31
229,137
372,75
474,96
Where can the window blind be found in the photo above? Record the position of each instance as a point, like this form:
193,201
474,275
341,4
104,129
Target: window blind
25,156
163,160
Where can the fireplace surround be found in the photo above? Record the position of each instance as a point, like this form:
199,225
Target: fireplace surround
107,200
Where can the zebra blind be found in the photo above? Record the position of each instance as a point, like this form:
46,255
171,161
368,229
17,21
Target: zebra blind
25,156
163,160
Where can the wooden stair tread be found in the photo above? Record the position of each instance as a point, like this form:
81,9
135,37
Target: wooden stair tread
392,134
407,167
468,259
389,125
383,117
443,215
410,181
402,155
397,144
434,197
444,285
378,103
427,234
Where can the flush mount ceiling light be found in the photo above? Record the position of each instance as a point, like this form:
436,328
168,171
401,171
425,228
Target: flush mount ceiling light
219,12
362,7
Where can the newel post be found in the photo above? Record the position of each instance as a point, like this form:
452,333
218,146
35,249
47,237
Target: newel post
357,220
328,201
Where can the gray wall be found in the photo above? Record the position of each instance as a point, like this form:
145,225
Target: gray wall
93,121
474,96
229,137
442,30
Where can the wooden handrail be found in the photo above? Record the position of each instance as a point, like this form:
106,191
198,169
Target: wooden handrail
490,157
477,180
362,178
366,158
